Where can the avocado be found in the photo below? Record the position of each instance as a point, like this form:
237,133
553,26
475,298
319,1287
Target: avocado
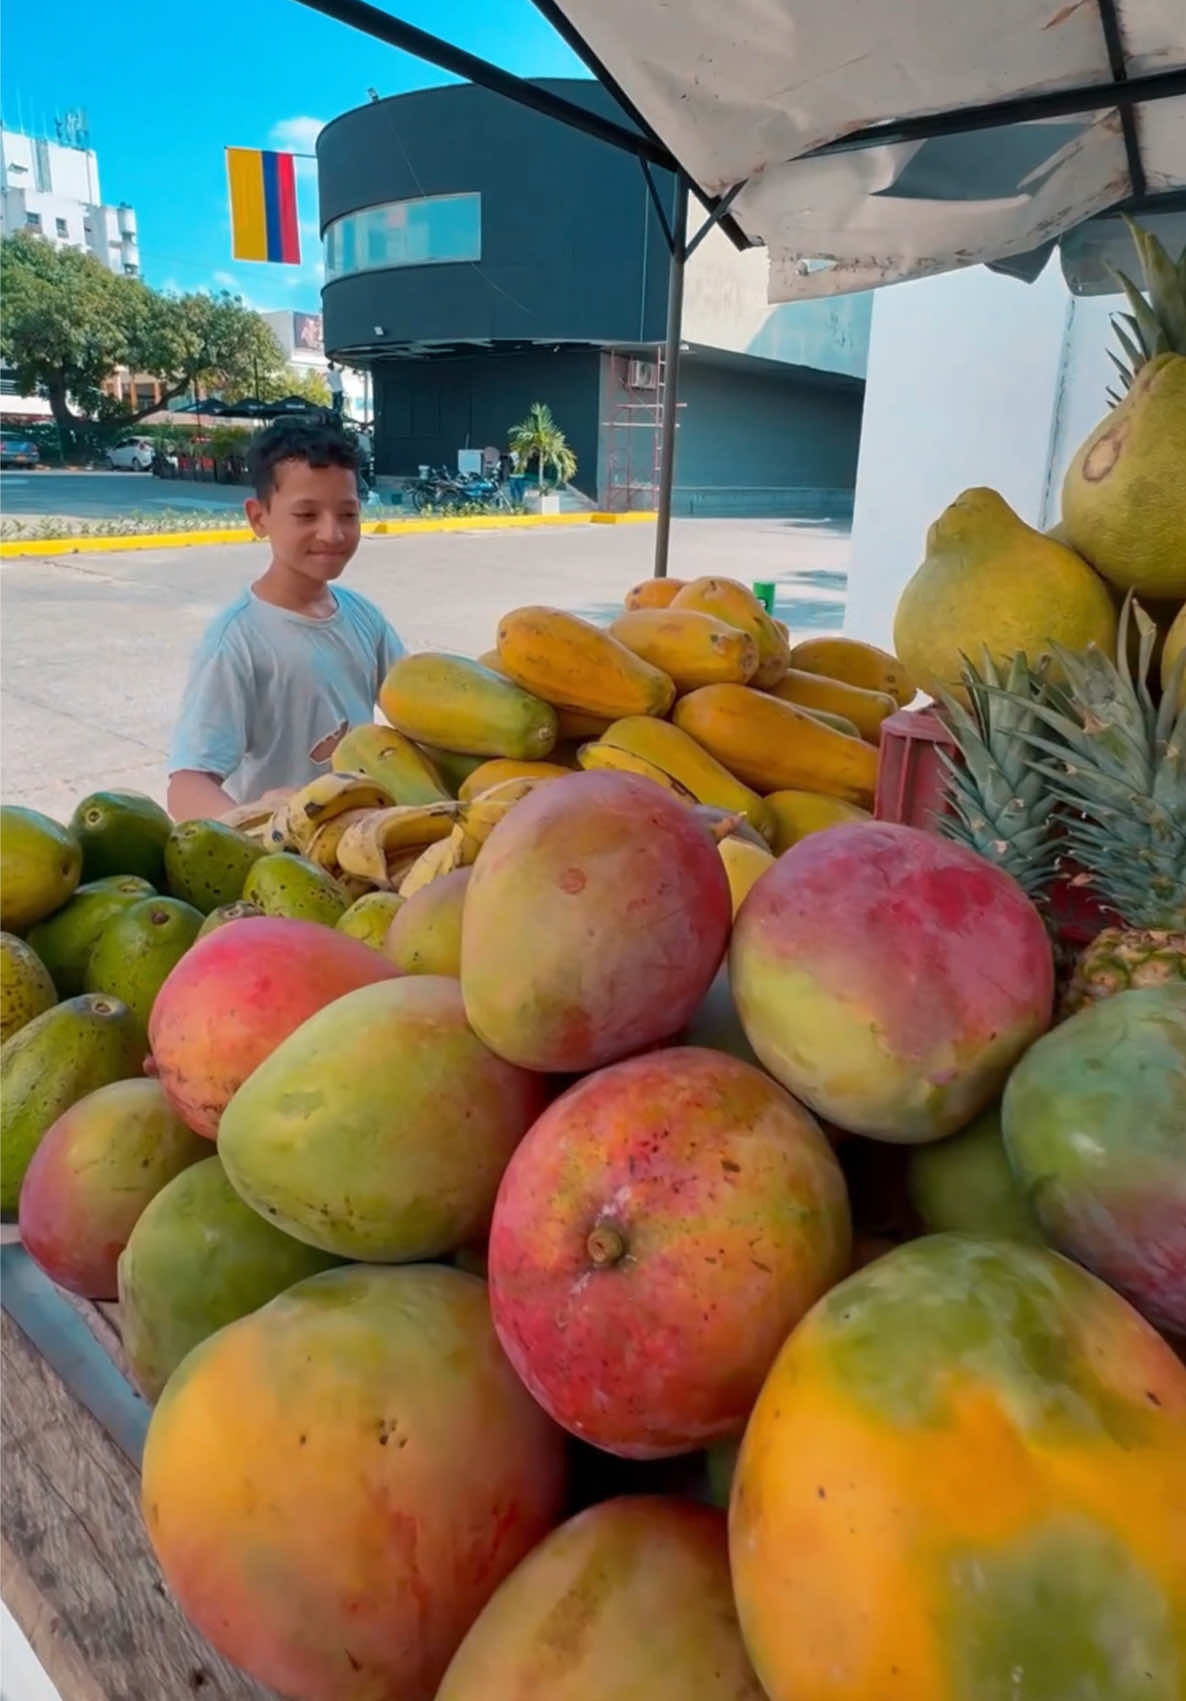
285,885
206,863
40,865
55,1060
121,832
25,985
238,911
137,949
369,917
64,942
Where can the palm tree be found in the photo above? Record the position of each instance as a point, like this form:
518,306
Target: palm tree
539,438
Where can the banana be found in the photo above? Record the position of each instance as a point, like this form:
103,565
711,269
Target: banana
478,819
249,818
433,861
323,846
324,798
609,757
368,847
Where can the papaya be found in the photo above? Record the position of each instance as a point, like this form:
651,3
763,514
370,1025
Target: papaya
731,601
501,768
572,663
838,723
864,709
668,747
654,593
459,705
854,663
489,658
797,813
392,762
575,727
772,745
694,648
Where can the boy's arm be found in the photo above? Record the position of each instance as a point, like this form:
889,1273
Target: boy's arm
210,736
196,797
390,650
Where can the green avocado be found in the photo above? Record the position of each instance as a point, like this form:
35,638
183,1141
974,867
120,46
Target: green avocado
137,949
51,1063
121,832
206,863
281,884
65,942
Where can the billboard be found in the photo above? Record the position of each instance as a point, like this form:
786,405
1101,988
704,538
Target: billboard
307,332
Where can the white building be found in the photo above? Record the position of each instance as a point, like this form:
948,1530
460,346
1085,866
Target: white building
300,339
52,189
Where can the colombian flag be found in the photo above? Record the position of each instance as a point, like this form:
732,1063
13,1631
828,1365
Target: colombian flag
263,206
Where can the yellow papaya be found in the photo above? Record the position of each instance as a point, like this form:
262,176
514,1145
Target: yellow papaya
733,602
392,762
489,658
773,746
654,593
797,813
501,768
865,709
573,664
690,765
459,705
855,663
695,649
838,723
576,727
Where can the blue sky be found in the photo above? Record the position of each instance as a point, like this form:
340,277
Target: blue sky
166,88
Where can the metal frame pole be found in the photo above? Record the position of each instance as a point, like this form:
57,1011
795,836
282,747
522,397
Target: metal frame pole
669,414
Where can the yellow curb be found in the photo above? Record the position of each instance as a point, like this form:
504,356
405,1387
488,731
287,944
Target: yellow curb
631,518
11,548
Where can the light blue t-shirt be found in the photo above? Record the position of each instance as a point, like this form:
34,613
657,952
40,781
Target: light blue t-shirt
270,692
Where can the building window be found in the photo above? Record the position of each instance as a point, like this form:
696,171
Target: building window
61,227
437,231
130,271
33,221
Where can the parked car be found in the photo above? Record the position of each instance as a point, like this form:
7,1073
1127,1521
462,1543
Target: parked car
131,454
18,451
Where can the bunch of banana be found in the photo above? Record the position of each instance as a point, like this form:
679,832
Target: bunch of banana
253,819
297,821
608,756
380,845
475,821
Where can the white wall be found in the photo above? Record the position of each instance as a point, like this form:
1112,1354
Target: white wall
974,379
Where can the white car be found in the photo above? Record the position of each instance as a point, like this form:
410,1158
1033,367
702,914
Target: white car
131,454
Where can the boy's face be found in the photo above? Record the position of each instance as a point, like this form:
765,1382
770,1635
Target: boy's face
311,519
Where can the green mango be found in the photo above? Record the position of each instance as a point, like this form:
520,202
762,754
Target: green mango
40,865
199,1258
452,768
206,863
26,988
136,951
52,1062
281,884
65,941
121,832
964,1185
369,917
238,911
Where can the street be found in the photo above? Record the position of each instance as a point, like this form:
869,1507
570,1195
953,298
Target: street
104,495
95,646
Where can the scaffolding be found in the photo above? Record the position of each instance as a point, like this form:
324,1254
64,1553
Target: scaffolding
633,393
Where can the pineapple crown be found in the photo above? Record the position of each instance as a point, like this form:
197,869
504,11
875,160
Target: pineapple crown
1154,326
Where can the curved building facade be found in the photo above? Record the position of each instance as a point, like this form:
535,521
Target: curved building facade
480,257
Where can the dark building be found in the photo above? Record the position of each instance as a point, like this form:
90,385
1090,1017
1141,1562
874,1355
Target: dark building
480,257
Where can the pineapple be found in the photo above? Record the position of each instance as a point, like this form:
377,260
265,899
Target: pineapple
1157,325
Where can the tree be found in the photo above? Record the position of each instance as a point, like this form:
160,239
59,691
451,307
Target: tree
308,383
539,438
208,342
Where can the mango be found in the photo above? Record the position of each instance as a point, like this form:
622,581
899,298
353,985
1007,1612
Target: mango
335,1485
282,884
797,813
890,979
1094,1118
207,863
51,1063
26,988
452,765
369,918
392,761
380,1129
94,1172
197,1259
745,865
595,919
233,998
986,1447
40,865
121,832
138,949
65,940
963,1185
644,1581
425,937
659,1231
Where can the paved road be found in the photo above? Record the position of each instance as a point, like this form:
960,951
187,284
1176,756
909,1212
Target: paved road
95,646
102,495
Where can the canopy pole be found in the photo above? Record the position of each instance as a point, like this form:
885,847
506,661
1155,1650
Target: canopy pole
669,412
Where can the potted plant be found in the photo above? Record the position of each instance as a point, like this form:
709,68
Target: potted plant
538,438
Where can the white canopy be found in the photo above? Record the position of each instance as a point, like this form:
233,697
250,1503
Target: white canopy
741,92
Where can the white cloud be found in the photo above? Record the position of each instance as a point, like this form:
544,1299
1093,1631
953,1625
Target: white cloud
296,135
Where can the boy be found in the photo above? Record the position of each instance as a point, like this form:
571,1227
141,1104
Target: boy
282,673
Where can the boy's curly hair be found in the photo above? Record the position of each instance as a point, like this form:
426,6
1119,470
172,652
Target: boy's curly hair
297,440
